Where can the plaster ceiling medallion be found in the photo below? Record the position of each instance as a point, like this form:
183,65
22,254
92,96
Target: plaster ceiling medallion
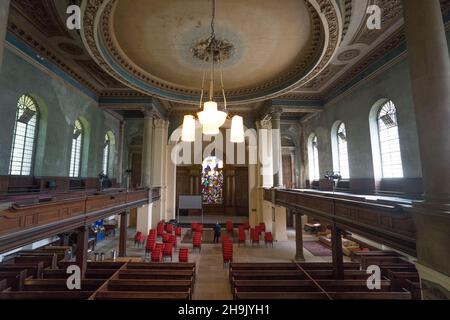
269,47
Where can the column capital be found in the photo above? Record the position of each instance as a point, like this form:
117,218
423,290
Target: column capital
161,124
276,112
149,112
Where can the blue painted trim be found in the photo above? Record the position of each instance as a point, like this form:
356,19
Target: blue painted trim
31,53
131,100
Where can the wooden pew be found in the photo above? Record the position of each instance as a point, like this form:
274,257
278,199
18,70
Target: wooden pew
293,275
161,266
45,295
383,261
322,296
3,285
61,252
305,286
59,285
136,295
33,269
14,279
356,255
50,260
90,274
151,285
291,266
93,265
406,280
156,274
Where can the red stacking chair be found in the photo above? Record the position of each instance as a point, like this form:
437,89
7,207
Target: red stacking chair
254,234
152,232
262,226
150,246
246,225
194,226
173,240
227,251
157,255
178,231
160,229
183,255
169,228
168,250
268,238
137,236
199,228
230,226
165,237
141,240
241,235
197,241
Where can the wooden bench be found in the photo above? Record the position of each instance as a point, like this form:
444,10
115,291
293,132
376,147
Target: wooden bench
293,274
136,295
291,266
156,274
151,285
14,279
322,296
169,266
45,295
382,261
33,269
50,260
59,285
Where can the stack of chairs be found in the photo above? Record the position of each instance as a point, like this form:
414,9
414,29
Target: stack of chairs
169,228
227,250
173,240
160,229
241,235
246,225
197,241
230,226
139,239
183,255
258,281
168,250
151,242
262,227
157,253
165,237
178,231
268,238
254,236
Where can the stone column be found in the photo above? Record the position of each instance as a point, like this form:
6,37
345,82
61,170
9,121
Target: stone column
146,180
299,256
123,237
171,181
4,12
82,248
429,65
121,148
160,138
337,254
276,148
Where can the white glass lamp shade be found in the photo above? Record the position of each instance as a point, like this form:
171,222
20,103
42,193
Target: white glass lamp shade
188,131
211,119
237,129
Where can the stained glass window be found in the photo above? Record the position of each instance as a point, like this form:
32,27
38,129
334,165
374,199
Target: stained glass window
212,181
75,158
343,152
391,159
22,150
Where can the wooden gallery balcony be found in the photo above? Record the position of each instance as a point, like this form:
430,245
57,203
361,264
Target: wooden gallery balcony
22,223
384,220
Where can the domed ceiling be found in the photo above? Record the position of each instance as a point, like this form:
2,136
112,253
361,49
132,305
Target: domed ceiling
154,46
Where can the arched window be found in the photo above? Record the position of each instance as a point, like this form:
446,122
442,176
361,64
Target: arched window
314,171
106,151
342,151
391,159
24,138
75,158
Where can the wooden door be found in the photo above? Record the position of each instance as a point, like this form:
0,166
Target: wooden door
287,171
136,167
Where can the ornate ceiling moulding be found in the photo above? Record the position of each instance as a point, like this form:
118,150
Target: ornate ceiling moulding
317,48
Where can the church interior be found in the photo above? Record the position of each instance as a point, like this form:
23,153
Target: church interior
224,150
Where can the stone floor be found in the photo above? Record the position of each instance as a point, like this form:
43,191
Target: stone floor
212,277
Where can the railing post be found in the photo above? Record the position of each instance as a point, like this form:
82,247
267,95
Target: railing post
82,248
337,255
123,233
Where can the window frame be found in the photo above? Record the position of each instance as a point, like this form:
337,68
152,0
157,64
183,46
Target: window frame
80,150
107,148
338,153
35,138
390,104
313,145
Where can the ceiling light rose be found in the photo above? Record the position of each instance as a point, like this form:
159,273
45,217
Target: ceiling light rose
211,118
237,129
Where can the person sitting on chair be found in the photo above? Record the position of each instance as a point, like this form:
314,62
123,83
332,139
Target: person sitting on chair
217,232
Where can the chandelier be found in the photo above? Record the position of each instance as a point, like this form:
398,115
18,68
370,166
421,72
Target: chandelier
211,118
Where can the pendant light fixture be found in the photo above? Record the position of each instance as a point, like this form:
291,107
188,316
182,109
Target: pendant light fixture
211,118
